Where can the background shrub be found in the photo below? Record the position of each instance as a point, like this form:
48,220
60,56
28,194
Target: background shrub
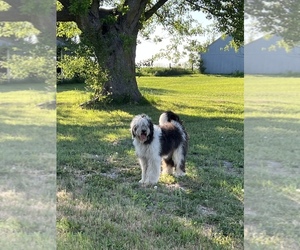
159,71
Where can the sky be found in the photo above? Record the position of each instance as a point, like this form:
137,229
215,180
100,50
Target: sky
146,49
250,31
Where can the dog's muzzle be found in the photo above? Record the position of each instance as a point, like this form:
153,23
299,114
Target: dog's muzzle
143,136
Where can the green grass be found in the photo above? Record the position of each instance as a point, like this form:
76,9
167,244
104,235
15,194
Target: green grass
100,203
27,172
272,188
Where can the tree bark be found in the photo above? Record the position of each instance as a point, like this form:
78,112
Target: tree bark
119,61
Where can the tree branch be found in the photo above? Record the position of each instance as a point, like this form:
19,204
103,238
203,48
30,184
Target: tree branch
65,3
95,8
64,16
202,7
132,12
154,9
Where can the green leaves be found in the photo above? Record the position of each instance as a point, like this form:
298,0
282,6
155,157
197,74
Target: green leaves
81,62
17,29
4,6
67,29
229,16
79,7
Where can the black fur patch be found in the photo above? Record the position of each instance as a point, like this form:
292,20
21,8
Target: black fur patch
170,139
169,162
171,116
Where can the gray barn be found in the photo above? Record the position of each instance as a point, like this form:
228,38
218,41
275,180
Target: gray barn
265,56
221,60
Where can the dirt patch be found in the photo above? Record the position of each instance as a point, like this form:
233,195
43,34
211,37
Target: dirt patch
111,175
205,210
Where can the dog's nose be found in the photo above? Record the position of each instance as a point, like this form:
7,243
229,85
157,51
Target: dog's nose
144,131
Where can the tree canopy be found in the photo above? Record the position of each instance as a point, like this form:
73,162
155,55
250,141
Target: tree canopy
276,17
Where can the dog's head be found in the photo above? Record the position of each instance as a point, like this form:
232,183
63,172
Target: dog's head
142,128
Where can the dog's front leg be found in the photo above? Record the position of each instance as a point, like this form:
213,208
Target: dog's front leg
153,171
143,163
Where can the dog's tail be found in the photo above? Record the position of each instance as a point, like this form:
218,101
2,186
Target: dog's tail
169,116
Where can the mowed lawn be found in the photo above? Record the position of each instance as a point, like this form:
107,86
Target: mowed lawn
272,156
27,167
100,204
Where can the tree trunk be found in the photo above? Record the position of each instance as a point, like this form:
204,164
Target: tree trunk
119,62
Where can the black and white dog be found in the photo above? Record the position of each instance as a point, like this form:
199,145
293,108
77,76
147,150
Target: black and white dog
164,144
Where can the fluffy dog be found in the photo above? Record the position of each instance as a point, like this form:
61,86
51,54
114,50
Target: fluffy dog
155,144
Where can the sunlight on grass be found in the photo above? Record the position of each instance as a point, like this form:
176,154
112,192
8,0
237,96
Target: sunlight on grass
65,138
113,137
167,179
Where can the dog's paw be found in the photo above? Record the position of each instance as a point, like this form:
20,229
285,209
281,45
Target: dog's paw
149,182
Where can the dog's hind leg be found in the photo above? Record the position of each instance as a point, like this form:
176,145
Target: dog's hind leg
180,169
167,166
179,162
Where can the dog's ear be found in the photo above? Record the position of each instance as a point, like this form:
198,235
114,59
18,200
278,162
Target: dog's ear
133,130
151,127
